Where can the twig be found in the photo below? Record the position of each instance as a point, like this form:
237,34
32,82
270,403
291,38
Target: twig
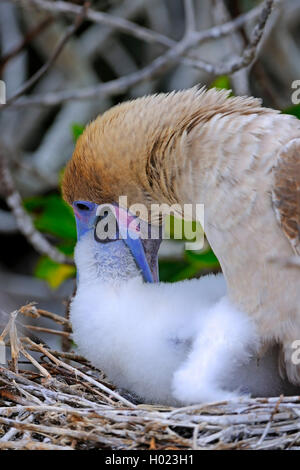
35,312
7,222
157,67
142,33
79,373
27,39
190,25
248,55
117,23
27,444
250,52
42,429
24,221
234,44
69,356
35,363
48,330
43,70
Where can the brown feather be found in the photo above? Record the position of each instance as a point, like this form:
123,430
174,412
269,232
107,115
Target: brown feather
286,193
130,149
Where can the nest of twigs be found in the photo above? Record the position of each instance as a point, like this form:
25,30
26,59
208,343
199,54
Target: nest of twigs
62,402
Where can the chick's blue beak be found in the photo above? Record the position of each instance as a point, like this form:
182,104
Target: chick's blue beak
138,252
144,251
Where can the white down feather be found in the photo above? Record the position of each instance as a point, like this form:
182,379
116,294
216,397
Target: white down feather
171,344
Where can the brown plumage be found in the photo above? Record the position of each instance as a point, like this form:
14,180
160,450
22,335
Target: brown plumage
241,160
286,192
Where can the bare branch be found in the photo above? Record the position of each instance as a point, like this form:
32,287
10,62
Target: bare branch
27,39
190,25
248,55
58,49
80,374
43,329
7,222
234,44
31,310
24,221
163,63
142,33
117,23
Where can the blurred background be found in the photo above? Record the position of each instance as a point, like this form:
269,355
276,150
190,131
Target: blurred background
64,62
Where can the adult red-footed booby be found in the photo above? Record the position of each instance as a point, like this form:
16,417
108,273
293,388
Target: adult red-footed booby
237,158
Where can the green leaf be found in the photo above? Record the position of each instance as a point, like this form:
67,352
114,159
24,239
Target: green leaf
179,229
77,130
204,260
52,215
221,82
169,269
188,272
52,272
191,266
67,247
294,110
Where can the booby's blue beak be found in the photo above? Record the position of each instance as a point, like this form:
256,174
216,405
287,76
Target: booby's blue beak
118,225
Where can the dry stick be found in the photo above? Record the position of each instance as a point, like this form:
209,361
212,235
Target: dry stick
237,42
249,54
157,67
58,49
11,331
137,415
41,429
65,355
269,423
39,367
18,323
119,24
48,330
24,221
71,356
44,408
53,316
35,312
29,310
142,33
11,433
190,25
125,419
26,444
80,374
16,346
43,392
26,40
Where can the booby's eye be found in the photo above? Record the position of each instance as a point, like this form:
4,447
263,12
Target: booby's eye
106,227
84,206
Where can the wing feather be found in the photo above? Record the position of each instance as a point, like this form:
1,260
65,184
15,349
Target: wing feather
286,192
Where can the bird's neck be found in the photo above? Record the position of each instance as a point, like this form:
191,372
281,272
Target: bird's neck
114,268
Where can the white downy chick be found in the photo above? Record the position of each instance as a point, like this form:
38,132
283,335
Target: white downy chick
172,344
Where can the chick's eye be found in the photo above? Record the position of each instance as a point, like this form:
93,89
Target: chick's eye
106,227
